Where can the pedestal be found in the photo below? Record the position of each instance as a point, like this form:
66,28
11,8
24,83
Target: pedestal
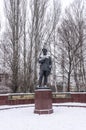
43,101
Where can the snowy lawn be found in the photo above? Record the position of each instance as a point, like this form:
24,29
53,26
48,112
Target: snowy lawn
63,118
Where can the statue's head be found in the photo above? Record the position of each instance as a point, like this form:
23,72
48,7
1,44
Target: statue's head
44,51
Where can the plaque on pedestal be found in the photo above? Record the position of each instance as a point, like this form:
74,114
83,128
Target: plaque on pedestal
43,101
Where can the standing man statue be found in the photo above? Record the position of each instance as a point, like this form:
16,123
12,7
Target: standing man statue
45,67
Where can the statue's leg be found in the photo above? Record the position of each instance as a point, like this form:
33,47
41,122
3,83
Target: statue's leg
45,78
40,78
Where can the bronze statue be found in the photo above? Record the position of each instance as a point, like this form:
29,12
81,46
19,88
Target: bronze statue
45,67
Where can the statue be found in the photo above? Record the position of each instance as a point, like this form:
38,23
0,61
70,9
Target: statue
45,67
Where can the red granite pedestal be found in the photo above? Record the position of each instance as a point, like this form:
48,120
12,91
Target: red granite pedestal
43,101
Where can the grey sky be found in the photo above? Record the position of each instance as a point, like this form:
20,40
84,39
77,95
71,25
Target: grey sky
2,18
66,2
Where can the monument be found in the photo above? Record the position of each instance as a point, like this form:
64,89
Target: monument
43,94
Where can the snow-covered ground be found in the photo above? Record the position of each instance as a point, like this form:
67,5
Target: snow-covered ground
22,117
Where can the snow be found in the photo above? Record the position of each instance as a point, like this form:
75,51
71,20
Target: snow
22,117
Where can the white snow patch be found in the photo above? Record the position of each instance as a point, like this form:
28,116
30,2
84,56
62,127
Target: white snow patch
63,118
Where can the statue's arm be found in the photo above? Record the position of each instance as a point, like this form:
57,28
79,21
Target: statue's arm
41,59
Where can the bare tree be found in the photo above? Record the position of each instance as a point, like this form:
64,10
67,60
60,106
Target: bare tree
65,37
57,12
38,11
51,40
72,37
24,21
13,16
44,21
79,71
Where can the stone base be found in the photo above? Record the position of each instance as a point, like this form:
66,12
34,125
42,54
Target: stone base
43,111
43,101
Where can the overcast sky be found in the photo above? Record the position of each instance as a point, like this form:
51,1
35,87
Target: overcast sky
64,3
2,18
